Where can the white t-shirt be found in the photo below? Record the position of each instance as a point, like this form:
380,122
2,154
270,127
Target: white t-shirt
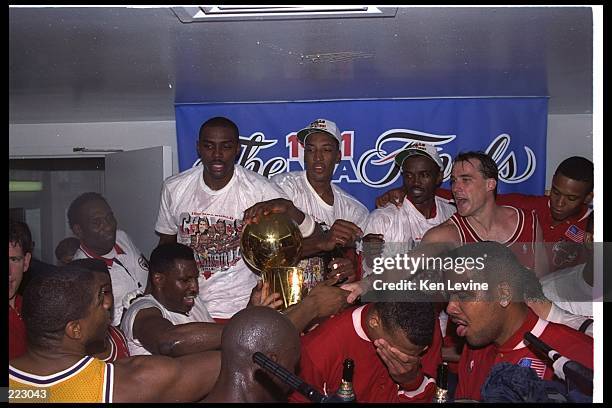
128,270
198,313
346,207
210,222
404,227
567,289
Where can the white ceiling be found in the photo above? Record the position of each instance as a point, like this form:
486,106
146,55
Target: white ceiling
123,64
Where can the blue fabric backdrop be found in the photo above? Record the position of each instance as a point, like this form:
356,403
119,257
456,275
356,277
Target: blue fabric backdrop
512,130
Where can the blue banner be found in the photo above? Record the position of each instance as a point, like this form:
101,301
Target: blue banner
511,130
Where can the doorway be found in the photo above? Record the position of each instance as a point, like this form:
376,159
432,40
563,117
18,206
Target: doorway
40,191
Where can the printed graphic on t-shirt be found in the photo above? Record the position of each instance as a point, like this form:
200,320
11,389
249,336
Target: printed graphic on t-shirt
215,240
314,267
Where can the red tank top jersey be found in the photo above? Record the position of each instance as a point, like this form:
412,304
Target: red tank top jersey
118,342
521,242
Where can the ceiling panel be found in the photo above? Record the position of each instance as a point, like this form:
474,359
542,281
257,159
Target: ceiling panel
118,64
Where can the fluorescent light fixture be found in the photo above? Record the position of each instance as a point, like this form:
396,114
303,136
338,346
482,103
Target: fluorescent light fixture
25,186
255,13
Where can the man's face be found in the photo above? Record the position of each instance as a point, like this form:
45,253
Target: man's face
180,286
95,324
469,187
18,264
421,178
97,227
475,313
218,148
321,154
567,196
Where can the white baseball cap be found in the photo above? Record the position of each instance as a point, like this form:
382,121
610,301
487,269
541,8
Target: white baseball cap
419,148
320,126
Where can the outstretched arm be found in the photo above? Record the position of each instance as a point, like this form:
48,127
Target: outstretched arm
166,379
322,301
160,336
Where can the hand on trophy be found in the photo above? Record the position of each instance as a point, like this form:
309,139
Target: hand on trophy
253,214
342,233
260,296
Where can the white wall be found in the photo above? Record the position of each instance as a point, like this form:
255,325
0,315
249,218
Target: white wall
568,135
58,139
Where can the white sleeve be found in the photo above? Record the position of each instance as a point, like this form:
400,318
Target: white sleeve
377,223
165,223
271,191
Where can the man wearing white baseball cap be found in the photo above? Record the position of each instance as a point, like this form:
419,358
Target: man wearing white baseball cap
403,227
340,215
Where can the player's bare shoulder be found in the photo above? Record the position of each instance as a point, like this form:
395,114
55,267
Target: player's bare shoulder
443,233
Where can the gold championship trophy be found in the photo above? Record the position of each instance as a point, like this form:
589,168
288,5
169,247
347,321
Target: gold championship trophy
273,247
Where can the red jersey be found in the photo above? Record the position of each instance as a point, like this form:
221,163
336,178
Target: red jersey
343,336
118,342
561,254
521,242
17,331
475,364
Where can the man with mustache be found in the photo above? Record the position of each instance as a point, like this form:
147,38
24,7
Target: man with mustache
172,320
493,321
404,226
92,221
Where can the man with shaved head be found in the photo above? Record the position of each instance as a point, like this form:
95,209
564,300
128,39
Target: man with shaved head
251,330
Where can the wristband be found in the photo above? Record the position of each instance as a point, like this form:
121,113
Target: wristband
307,226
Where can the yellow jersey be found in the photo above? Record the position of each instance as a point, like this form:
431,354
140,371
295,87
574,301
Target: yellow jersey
88,380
